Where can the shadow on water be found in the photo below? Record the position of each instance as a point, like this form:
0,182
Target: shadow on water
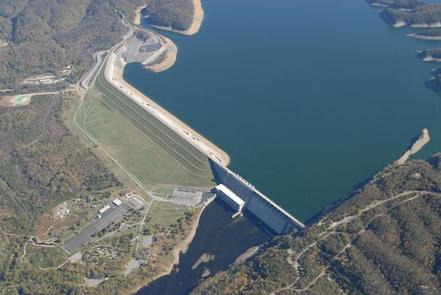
220,237
339,201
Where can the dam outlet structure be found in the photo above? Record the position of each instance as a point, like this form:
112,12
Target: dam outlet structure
241,195
231,199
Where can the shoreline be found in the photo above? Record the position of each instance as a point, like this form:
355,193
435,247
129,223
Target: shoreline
182,248
423,37
430,58
426,25
138,15
417,145
113,73
168,60
198,17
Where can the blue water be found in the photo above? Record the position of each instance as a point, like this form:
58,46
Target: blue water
308,97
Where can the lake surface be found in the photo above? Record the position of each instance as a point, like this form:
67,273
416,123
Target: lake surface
308,97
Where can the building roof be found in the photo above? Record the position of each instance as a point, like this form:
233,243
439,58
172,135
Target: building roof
236,199
117,202
104,209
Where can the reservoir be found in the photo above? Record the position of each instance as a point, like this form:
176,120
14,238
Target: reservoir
308,97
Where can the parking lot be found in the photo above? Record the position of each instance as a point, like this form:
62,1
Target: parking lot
74,243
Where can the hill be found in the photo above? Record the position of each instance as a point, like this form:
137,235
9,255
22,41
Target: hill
177,14
383,240
48,35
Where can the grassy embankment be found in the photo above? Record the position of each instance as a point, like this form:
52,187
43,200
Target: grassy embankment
148,150
143,153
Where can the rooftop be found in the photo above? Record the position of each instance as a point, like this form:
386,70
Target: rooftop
222,188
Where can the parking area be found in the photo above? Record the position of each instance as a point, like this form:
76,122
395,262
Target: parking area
186,197
112,214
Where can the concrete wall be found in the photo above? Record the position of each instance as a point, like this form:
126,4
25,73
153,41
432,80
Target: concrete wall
228,200
279,221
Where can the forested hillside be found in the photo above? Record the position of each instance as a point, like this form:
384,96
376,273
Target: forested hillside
425,14
48,35
386,240
44,36
177,14
42,163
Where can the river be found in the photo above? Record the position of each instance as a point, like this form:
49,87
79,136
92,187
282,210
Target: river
218,237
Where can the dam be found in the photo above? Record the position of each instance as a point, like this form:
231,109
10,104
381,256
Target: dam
255,202
235,190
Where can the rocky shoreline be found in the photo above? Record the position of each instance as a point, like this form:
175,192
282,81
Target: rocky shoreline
417,145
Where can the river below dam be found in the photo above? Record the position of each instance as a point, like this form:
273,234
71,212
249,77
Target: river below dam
308,97
220,240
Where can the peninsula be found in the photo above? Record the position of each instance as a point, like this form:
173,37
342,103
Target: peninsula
184,17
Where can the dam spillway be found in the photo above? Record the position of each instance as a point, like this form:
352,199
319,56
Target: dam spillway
272,215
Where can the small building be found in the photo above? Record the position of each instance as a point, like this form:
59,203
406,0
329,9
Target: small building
117,202
229,197
104,209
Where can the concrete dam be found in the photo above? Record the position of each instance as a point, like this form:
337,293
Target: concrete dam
275,217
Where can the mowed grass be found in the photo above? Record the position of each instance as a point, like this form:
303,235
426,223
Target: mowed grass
133,148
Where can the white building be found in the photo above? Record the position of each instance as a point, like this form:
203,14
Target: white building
117,202
104,209
230,198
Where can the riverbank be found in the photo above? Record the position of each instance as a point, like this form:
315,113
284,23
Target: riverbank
177,252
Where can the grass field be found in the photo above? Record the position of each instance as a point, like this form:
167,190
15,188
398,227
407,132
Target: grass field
147,149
